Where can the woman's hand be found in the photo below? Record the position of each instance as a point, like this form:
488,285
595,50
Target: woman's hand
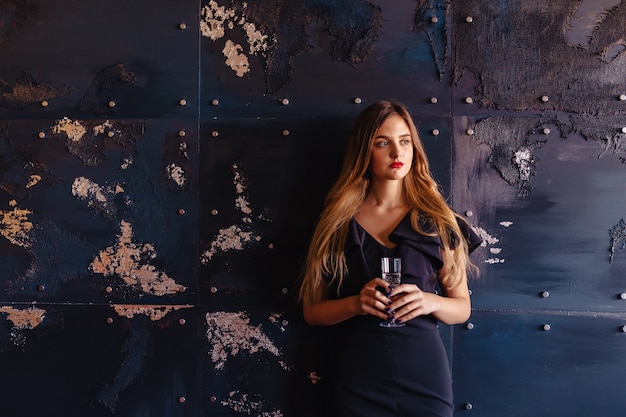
371,301
409,301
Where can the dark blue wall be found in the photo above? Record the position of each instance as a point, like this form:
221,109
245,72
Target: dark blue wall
162,164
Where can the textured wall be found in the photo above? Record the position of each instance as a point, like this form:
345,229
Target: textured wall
162,164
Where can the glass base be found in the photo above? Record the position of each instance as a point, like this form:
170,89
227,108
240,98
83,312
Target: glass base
390,324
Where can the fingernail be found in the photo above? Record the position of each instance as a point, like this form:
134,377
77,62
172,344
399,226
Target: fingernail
389,302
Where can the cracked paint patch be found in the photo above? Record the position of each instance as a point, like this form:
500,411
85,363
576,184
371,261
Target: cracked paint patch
97,197
26,90
489,240
230,333
176,174
235,237
86,139
243,403
14,225
153,312
128,261
618,238
215,19
28,318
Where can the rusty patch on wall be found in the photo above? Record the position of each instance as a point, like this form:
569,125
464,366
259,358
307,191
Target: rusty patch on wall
98,97
248,404
22,319
85,138
15,226
235,237
26,90
153,312
97,197
354,26
128,261
230,334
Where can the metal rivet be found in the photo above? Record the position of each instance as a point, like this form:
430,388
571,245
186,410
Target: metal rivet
284,290
622,97
270,246
181,321
182,26
182,102
357,100
109,320
285,322
285,132
181,133
435,132
213,290
111,103
212,398
285,101
181,399
44,103
546,327
623,329
434,19
624,130
42,135
108,289
41,287
469,213
181,211
215,133
215,102
545,99
545,294
110,133
546,131
469,406
469,19
214,212
469,326
433,100
469,131
469,100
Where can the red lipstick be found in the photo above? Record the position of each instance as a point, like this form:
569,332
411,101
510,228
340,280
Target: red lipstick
397,165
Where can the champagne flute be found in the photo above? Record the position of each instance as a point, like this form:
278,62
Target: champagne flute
391,269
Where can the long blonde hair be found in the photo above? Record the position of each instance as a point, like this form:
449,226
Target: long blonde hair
326,251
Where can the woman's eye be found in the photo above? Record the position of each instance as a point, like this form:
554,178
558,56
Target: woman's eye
406,141
381,144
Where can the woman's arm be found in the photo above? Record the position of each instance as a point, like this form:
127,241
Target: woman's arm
327,312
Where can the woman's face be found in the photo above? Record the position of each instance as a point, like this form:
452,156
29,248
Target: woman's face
392,150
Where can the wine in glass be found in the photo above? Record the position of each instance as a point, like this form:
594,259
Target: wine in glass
391,273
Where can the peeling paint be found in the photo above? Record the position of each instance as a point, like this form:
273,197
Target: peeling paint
98,197
73,129
506,224
14,225
153,312
176,174
28,318
127,260
235,237
230,333
235,59
231,238
33,180
242,403
213,16
488,239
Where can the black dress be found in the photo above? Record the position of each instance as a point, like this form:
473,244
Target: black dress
399,372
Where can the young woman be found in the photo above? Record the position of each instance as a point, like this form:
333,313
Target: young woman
386,203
